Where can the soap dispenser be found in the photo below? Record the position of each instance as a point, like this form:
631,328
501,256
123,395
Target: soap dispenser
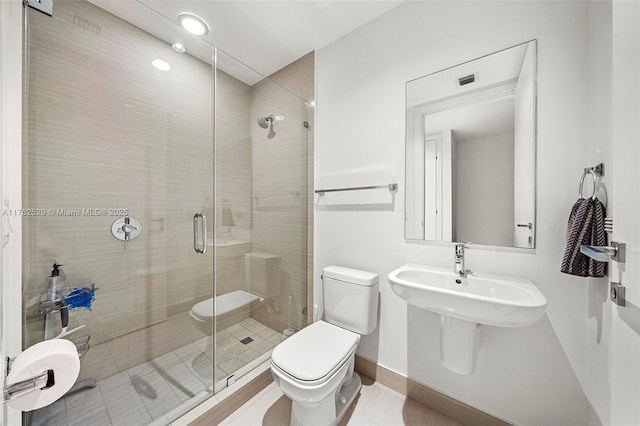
54,284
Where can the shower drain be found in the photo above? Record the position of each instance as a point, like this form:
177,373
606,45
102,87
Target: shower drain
246,340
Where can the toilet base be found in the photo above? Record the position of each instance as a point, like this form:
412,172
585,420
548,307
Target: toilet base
330,411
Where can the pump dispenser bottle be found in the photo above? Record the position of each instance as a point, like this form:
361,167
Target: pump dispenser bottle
54,284
54,297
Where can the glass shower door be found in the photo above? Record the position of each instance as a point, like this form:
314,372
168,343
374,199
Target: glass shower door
119,155
262,196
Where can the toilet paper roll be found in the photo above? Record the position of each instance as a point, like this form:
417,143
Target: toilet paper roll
59,355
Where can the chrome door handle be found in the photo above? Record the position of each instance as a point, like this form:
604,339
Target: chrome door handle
196,233
525,225
204,233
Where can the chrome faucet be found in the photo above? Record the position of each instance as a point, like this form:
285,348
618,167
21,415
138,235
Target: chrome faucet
459,260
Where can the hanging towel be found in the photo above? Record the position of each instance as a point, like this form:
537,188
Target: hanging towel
585,227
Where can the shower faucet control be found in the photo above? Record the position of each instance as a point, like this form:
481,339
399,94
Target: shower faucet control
126,228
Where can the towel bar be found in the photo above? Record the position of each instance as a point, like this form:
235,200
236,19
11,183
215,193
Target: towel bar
390,187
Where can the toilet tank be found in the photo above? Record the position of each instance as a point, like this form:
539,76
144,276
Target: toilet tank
350,298
262,273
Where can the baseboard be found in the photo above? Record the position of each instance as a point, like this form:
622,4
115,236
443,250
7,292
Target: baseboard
431,398
237,399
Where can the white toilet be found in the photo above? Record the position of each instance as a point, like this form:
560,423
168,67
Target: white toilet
314,367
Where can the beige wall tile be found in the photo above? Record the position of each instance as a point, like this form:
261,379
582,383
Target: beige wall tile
281,189
107,130
233,151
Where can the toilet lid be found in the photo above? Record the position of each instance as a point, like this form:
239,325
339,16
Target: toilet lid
203,309
315,352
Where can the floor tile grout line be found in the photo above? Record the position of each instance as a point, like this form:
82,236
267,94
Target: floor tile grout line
66,414
137,407
189,370
105,404
144,404
195,373
126,374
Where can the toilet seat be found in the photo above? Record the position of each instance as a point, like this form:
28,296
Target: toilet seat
312,355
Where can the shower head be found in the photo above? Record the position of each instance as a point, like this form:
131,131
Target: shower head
264,122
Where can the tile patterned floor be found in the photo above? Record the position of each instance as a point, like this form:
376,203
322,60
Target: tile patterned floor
145,393
376,405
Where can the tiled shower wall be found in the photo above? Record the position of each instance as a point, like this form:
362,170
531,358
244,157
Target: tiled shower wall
233,155
107,130
266,181
282,189
233,180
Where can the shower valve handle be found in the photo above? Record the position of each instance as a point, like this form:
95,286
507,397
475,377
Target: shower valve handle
126,228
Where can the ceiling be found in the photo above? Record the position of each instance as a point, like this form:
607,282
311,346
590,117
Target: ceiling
265,35
490,71
476,120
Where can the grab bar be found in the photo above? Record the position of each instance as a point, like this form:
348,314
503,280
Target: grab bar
196,233
390,187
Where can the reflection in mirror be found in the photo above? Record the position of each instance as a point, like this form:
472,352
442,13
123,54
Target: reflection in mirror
470,151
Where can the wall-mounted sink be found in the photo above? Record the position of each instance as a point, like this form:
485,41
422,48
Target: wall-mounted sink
466,302
482,298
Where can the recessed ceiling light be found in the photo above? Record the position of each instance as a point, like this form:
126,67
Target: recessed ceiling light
160,65
178,47
193,24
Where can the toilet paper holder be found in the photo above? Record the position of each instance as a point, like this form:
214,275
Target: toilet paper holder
41,381
44,380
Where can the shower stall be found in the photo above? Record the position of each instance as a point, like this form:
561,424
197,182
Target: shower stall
159,190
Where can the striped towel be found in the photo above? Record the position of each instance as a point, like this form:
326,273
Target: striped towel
585,227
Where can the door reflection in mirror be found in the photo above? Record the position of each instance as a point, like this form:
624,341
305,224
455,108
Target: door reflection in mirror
470,151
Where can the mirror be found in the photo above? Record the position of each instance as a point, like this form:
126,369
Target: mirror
470,151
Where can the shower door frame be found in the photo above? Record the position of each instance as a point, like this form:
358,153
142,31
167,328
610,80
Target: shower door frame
11,53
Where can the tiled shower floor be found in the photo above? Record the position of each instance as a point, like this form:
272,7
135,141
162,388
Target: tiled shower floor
145,393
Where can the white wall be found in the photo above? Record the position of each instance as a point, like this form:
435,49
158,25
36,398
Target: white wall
533,375
599,314
625,321
613,333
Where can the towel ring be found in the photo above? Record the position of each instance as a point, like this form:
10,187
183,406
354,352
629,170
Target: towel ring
595,186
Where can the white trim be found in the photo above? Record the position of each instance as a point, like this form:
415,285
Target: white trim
11,46
501,90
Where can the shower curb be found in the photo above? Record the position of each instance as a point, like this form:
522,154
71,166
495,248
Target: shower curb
234,400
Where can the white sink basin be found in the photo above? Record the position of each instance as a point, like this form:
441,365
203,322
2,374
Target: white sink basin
479,298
